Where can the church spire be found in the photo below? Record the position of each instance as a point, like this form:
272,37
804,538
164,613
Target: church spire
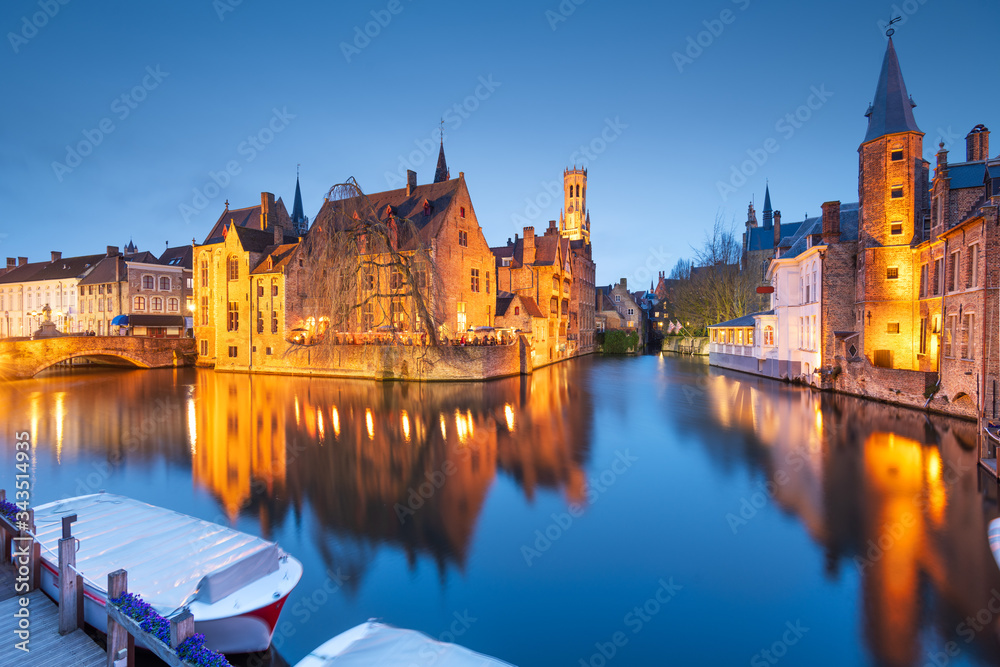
442,174
891,112
299,220
768,213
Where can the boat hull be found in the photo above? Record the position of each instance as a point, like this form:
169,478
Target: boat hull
248,632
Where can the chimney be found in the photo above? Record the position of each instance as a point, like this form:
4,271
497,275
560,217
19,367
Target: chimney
21,261
268,216
411,182
552,228
112,251
977,144
831,222
624,283
777,228
11,263
279,235
528,253
56,255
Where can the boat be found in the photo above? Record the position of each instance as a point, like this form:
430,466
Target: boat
234,584
375,643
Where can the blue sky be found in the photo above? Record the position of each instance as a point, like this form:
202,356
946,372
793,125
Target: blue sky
163,95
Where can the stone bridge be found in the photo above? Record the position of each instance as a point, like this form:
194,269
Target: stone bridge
25,358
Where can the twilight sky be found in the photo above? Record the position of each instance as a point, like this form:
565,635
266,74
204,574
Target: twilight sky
117,114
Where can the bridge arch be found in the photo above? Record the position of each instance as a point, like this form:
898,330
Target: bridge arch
80,354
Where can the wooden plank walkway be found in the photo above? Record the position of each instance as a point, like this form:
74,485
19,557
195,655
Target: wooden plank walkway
47,647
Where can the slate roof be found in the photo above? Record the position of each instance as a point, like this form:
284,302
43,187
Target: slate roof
848,230
104,272
280,256
441,174
762,238
182,256
891,110
144,257
411,207
248,218
970,174
297,214
745,321
547,247
24,273
67,267
504,300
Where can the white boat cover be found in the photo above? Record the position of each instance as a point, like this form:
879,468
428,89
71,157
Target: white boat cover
172,559
375,643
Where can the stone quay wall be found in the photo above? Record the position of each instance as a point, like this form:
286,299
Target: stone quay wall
398,362
685,345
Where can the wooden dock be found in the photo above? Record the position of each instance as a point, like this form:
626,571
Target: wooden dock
47,647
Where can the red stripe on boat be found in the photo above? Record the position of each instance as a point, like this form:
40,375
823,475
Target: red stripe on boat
269,614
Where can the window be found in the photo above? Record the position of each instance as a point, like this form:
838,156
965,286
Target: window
368,312
190,283
949,333
749,336
204,273
203,344
896,229
463,238
897,192
462,212
897,156
421,279
923,280
968,339
395,280
892,327
233,320
974,265
397,313
487,282
260,289
802,331
173,304
631,312
100,305
260,322
204,311
954,265
268,351
274,288
109,304
100,289
164,283
923,335
274,321
739,336
938,276
139,303
618,298
505,261
232,351
156,303
147,283
768,335
892,273
460,320
517,310
234,268
369,279
475,280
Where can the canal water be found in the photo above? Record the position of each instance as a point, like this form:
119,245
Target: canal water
633,511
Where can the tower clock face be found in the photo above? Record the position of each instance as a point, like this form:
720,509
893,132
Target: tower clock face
570,209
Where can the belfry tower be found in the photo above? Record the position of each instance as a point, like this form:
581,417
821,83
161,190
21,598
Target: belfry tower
574,220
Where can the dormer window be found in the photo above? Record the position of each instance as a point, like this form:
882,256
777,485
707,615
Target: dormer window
462,212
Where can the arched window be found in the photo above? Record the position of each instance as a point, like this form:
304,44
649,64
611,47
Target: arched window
139,303
164,283
156,303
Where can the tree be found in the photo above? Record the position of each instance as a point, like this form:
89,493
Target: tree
367,268
717,289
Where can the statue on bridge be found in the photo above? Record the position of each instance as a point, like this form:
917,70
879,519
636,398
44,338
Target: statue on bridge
47,328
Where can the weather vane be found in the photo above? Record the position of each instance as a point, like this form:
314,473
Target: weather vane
890,32
442,130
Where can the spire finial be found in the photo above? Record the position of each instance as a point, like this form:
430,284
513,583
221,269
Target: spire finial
227,204
890,31
297,170
442,131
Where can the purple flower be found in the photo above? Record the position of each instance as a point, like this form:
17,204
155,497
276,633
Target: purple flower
192,650
8,510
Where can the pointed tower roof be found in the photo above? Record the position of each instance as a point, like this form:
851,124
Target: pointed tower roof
768,212
441,174
297,214
892,110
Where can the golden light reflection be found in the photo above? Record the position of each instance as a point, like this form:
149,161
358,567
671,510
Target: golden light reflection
319,425
508,411
60,410
370,423
335,416
937,498
405,418
444,427
298,415
461,427
192,425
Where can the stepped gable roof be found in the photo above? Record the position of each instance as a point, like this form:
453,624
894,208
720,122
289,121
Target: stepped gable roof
745,321
410,207
24,273
180,256
248,218
280,256
891,110
105,271
547,248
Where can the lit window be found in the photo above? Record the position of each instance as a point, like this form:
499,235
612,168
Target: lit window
892,273
896,229
892,327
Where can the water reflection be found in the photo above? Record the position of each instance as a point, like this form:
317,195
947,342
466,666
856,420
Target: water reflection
892,497
403,465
